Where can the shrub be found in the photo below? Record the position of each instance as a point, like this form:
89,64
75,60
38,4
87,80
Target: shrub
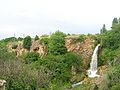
114,75
60,65
115,87
57,43
81,38
111,39
36,38
27,42
14,46
31,57
5,55
20,38
44,40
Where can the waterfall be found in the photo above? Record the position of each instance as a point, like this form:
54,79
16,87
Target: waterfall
93,65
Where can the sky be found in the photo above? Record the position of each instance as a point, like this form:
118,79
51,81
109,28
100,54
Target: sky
37,17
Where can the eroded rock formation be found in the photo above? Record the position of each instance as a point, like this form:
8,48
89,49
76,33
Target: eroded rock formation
84,48
2,84
35,47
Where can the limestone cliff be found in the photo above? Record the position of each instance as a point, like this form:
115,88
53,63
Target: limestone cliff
84,48
2,84
35,47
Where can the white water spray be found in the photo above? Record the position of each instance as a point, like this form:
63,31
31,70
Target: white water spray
93,65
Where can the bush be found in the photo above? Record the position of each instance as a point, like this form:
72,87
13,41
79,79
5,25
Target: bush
31,57
82,38
44,40
14,46
5,55
114,75
20,38
36,38
115,87
111,39
60,65
27,42
57,43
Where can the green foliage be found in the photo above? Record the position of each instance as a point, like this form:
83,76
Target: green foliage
110,44
31,57
18,77
111,39
81,38
44,40
114,75
20,38
103,30
84,87
7,40
36,38
60,65
14,46
114,22
27,42
4,54
115,87
57,43
45,35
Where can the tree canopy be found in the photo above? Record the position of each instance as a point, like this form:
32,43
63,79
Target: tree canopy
27,42
57,43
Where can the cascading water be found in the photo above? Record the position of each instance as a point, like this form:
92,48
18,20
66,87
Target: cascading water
93,65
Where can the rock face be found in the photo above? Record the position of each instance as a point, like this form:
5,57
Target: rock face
85,48
2,84
35,47
19,50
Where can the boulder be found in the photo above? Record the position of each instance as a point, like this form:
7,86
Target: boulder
2,84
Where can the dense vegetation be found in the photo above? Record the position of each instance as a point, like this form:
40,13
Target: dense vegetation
53,71
27,42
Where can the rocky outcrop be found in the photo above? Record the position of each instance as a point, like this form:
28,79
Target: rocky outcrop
35,47
19,50
38,47
2,84
85,48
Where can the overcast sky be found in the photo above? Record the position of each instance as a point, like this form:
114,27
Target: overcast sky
31,17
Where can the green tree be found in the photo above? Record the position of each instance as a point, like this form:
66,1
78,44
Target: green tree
31,57
36,37
44,40
103,30
114,22
119,20
57,43
20,38
27,42
111,39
